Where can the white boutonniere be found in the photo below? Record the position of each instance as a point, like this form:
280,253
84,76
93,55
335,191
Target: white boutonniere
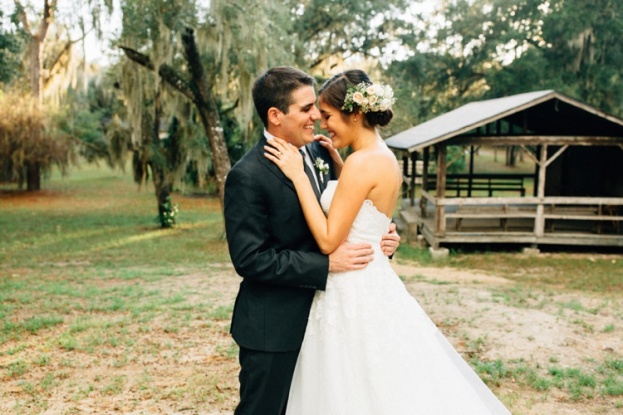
322,167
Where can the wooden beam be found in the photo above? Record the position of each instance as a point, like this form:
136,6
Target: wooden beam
529,153
457,157
550,200
555,156
536,140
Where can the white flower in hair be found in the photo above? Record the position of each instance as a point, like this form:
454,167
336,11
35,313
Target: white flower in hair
367,97
358,98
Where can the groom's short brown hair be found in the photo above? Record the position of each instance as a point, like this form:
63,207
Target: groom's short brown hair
274,88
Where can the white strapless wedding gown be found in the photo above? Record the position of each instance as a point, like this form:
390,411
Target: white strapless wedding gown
370,349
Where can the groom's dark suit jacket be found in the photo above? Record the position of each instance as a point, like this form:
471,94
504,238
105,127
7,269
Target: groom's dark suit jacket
273,251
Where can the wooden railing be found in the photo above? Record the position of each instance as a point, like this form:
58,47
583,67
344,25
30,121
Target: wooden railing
545,212
464,184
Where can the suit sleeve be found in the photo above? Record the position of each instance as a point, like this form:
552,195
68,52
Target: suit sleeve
252,244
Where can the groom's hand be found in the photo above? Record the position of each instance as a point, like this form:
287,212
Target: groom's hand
350,257
390,241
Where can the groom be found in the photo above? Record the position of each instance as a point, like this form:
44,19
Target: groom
272,248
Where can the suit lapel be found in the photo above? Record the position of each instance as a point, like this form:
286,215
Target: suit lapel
269,165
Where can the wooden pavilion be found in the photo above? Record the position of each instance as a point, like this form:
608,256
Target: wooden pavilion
577,196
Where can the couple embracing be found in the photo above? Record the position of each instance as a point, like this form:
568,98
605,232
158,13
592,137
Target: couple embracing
323,323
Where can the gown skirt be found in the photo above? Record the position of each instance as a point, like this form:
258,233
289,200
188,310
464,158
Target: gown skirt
370,349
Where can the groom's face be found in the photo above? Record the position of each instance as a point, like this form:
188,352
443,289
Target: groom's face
297,126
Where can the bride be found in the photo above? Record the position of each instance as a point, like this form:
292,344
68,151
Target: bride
369,348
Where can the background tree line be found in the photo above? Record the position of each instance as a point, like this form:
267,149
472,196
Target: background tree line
174,96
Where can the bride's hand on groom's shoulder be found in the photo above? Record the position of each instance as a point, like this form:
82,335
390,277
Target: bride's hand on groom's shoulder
286,157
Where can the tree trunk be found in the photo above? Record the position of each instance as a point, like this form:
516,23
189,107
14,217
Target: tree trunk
36,82
159,176
33,176
33,169
163,192
511,156
206,105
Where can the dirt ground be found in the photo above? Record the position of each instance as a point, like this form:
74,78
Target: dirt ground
470,308
531,327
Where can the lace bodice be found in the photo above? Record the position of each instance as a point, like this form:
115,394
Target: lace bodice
370,224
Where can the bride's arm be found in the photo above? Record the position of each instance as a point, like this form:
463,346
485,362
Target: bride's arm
329,232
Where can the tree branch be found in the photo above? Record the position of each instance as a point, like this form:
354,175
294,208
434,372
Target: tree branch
174,79
168,74
195,66
48,11
231,108
22,15
138,57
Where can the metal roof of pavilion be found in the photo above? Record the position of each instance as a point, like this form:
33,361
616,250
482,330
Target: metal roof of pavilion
543,108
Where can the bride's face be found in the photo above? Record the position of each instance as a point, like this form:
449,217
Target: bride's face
338,126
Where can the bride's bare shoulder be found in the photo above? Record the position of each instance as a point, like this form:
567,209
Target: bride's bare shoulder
381,158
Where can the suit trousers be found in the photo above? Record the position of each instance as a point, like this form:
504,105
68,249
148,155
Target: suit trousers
265,379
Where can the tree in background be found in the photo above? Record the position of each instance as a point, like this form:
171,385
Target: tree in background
30,136
491,48
52,67
237,41
168,91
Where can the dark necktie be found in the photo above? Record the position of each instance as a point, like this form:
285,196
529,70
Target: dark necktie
310,175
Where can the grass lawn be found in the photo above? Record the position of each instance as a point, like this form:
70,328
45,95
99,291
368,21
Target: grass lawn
103,312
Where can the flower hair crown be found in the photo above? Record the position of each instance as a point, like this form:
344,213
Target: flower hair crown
369,97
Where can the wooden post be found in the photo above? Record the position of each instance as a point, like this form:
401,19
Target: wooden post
405,173
423,201
539,221
471,171
440,193
413,175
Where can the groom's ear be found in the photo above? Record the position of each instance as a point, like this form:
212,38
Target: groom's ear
274,116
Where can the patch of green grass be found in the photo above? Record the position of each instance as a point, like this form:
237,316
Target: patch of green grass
16,369
492,372
573,305
34,324
599,274
221,312
518,296
580,383
98,217
415,254
616,365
